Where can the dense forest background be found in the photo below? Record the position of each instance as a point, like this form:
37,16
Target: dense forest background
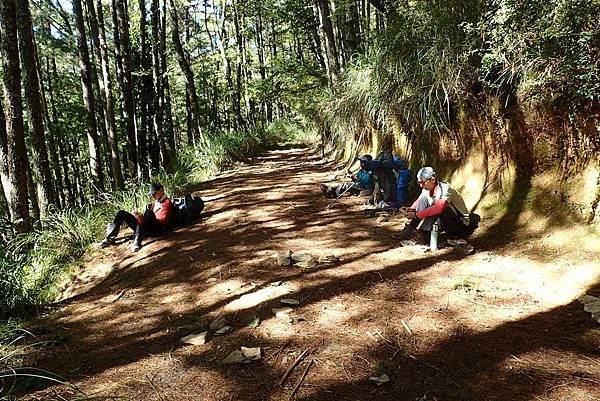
101,95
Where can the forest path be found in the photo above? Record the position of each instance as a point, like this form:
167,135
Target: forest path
500,324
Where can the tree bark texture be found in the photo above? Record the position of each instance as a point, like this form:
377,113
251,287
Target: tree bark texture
35,111
109,117
88,98
15,184
120,20
194,110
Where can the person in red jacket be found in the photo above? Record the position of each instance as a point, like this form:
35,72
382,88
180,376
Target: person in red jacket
155,220
440,204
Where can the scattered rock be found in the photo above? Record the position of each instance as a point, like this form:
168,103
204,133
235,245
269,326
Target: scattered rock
327,259
218,324
382,219
195,339
592,305
276,283
211,280
289,301
379,380
309,264
282,313
302,257
279,311
223,330
251,353
283,258
457,242
235,357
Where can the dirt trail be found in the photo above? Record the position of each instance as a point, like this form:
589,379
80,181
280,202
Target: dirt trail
501,324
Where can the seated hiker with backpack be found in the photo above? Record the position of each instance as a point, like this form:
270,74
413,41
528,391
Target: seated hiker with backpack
440,204
361,181
157,218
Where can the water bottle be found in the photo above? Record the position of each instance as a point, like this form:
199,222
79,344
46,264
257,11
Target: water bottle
433,240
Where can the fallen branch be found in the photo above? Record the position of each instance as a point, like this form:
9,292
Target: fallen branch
408,330
155,389
278,351
301,379
296,362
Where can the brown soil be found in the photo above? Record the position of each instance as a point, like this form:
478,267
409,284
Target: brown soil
502,323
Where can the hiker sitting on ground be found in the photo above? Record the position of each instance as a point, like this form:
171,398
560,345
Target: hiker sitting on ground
155,220
438,203
362,181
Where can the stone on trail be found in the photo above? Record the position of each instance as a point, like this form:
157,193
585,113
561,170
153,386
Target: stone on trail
283,258
278,311
379,380
251,353
235,357
309,264
591,305
457,242
223,330
218,324
302,257
195,339
327,259
282,313
289,301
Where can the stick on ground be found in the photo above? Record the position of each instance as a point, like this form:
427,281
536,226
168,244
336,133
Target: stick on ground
301,379
293,365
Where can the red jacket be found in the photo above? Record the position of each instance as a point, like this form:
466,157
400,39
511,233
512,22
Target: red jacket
163,210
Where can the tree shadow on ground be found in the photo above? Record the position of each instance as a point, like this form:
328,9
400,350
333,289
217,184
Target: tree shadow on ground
123,320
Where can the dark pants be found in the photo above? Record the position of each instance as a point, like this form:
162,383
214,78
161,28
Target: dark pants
148,227
450,223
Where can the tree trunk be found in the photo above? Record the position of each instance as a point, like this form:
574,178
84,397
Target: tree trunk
158,86
145,90
3,164
66,182
326,26
352,30
35,110
169,133
51,124
96,19
15,155
88,98
187,72
123,50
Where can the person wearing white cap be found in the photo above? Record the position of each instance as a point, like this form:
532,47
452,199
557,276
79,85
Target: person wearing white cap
438,203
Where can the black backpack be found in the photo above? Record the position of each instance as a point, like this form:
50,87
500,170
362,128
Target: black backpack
187,209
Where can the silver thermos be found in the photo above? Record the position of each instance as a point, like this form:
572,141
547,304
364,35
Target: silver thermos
433,240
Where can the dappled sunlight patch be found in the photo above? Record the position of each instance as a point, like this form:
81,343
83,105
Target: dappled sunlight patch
575,239
87,279
260,296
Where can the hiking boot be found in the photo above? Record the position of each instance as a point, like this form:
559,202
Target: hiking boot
110,227
136,246
324,189
407,233
106,242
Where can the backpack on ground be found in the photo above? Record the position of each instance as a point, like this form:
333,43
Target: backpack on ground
187,209
392,179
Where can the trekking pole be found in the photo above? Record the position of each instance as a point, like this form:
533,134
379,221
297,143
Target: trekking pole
340,195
